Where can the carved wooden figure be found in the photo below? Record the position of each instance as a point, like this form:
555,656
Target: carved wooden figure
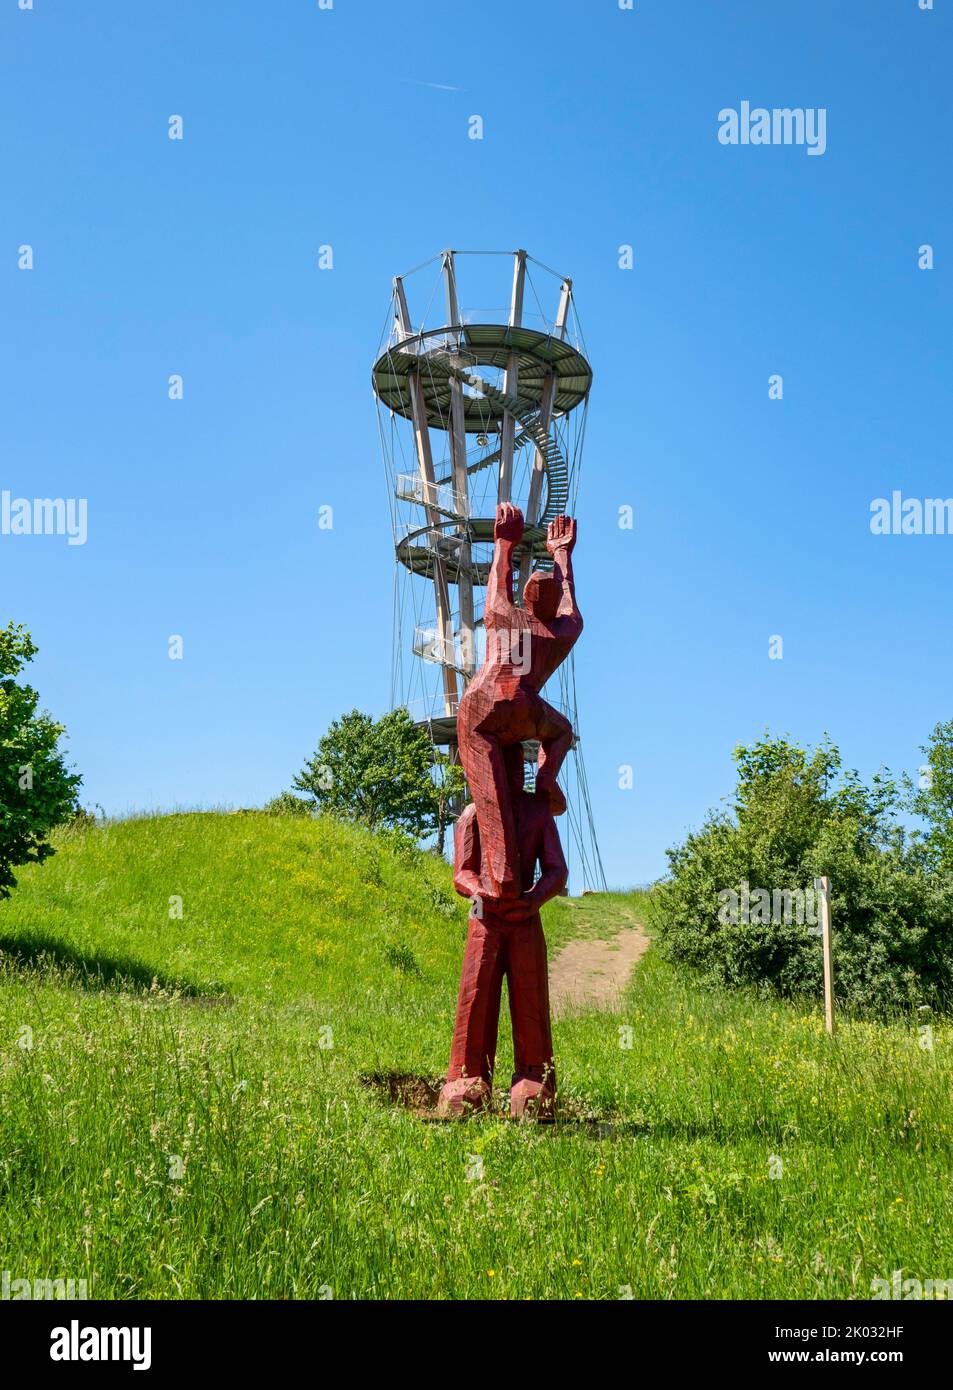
506,831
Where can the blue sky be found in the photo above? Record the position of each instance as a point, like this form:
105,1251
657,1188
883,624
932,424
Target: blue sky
305,127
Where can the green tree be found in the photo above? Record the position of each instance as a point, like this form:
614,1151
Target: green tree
933,796
36,790
378,772
450,789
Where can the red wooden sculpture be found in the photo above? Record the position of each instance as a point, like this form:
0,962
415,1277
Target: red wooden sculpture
506,833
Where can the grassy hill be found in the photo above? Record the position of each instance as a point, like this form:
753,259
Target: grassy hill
184,1110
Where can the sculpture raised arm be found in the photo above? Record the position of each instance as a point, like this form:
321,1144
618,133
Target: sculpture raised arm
507,534
560,542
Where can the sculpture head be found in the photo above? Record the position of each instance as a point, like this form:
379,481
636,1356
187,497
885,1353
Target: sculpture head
541,595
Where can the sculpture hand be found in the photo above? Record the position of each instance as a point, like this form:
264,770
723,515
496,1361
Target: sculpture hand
509,523
515,910
561,534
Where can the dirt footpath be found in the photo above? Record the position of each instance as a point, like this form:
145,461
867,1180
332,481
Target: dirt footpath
592,974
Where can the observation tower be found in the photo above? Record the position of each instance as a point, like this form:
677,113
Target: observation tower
478,406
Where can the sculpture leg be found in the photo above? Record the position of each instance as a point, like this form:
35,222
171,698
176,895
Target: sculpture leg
555,741
533,1091
485,764
473,1052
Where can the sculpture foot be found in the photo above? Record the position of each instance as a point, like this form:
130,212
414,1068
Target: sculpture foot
463,1097
533,1100
554,795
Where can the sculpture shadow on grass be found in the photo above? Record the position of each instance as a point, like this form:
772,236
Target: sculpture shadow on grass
56,962
420,1095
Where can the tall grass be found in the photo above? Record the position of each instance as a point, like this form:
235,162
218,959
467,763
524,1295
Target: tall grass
182,1111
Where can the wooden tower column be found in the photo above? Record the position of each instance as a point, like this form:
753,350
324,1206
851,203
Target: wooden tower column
458,457
418,407
511,383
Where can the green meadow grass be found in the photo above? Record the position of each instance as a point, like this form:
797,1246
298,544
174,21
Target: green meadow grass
228,1045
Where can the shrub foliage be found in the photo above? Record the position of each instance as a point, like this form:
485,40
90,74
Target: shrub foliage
797,814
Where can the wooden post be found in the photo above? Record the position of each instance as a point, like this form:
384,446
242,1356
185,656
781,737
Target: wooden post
822,887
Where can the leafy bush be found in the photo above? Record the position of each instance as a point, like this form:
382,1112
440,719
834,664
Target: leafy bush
443,902
796,815
403,846
36,790
401,956
287,804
